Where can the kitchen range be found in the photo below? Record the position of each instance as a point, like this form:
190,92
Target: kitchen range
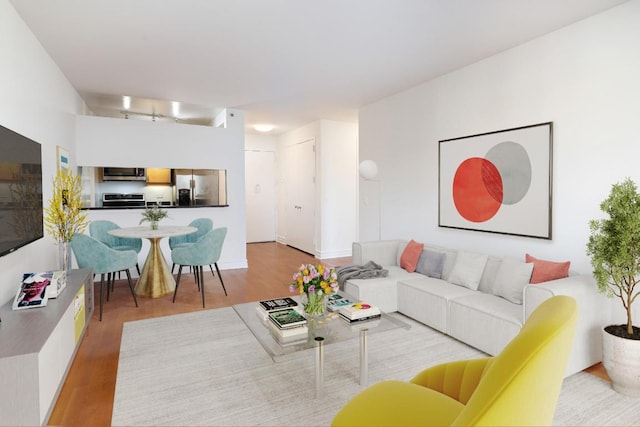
123,200
120,200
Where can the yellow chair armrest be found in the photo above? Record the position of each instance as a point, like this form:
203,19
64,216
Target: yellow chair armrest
457,380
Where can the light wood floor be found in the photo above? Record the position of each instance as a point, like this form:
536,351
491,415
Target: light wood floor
87,395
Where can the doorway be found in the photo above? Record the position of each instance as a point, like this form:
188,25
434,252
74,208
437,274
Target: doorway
301,195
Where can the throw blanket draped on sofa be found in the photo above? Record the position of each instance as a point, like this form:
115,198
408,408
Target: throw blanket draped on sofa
369,270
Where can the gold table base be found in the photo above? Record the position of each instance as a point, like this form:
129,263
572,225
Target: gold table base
155,279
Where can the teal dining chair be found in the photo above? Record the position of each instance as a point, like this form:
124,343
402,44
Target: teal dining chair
204,225
92,253
205,251
99,229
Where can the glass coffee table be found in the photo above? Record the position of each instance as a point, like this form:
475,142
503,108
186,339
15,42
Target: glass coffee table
322,331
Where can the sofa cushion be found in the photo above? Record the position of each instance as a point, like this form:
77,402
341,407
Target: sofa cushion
381,291
431,263
484,321
426,300
543,270
383,252
511,278
468,269
410,255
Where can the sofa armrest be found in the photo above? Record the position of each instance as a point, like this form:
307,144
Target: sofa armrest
383,252
594,312
581,287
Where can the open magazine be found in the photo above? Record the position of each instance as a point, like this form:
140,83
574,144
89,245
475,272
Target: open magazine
33,291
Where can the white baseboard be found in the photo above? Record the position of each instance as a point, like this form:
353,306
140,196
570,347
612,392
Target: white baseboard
230,265
334,254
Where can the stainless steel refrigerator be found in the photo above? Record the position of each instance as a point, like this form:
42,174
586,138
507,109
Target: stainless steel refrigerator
200,187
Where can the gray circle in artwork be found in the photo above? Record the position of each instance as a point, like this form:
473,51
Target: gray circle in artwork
513,163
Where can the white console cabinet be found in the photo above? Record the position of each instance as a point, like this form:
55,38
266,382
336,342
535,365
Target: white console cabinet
37,347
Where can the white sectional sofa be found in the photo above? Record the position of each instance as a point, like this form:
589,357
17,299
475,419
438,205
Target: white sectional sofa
479,317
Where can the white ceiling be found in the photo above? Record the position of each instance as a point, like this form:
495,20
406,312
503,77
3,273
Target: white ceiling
284,62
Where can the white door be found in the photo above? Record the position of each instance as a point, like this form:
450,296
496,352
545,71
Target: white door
260,197
301,195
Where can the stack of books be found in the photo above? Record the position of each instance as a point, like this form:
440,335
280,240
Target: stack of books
288,325
359,312
267,306
335,301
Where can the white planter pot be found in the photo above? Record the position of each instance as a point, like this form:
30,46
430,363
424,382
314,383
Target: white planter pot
621,359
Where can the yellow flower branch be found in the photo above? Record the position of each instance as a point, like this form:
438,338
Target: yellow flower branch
64,217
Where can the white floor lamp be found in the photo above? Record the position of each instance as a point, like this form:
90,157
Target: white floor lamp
368,170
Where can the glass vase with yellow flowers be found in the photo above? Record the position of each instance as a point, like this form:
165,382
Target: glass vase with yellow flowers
314,283
64,216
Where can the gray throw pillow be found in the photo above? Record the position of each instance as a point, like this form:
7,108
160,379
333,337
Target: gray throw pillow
431,263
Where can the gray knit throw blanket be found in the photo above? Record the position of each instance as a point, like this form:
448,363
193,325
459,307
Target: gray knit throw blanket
369,270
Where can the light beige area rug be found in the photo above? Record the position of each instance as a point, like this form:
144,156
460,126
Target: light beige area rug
207,369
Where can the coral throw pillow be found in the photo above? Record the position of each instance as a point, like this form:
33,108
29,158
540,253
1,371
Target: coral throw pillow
411,255
543,271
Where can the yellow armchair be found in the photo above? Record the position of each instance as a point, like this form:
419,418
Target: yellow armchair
520,386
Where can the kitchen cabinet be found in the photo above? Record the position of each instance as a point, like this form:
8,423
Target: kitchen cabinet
160,176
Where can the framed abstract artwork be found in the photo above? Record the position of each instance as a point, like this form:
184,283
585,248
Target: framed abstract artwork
498,182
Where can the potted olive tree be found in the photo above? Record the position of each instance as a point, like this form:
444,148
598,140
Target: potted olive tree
614,248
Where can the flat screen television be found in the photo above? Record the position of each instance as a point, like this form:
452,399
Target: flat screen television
20,191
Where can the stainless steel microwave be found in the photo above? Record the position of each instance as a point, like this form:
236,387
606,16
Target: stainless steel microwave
124,174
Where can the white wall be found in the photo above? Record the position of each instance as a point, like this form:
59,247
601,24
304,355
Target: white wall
262,142
584,78
338,183
38,102
103,141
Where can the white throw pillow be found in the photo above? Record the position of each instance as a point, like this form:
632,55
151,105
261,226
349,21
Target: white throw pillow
449,260
512,277
468,269
488,279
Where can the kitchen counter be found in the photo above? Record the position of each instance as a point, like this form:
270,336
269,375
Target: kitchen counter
119,208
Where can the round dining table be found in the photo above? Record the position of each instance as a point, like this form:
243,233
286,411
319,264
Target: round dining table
155,279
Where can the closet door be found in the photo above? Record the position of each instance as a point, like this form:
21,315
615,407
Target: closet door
301,196
260,196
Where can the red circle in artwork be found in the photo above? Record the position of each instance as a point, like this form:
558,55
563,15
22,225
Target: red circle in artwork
477,189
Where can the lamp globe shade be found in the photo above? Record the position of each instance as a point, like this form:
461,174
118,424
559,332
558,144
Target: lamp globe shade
368,169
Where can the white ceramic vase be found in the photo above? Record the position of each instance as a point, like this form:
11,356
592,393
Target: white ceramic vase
621,359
